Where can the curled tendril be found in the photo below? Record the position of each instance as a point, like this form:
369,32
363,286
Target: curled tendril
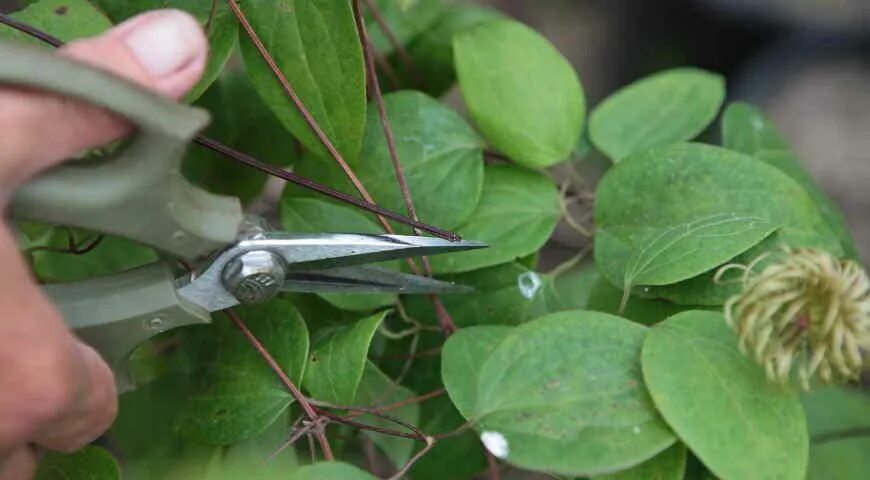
808,311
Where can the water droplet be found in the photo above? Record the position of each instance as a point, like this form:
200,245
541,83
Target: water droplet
496,444
636,429
529,283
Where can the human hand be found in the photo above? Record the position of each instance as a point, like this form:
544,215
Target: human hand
57,393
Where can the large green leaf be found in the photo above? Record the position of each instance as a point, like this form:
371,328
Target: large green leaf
241,121
518,211
316,46
219,22
441,157
837,416
335,366
606,298
720,403
432,51
67,20
377,389
746,129
236,395
89,463
668,465
315,215
523,95
668,107
561,394
675,212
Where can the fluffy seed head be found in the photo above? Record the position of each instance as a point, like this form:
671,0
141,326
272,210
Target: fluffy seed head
808,311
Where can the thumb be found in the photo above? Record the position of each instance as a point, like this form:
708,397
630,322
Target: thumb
163,50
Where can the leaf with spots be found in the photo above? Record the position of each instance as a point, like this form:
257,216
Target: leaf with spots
738,424
561,394
67,20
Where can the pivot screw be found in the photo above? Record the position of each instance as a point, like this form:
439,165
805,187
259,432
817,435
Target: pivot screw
255,276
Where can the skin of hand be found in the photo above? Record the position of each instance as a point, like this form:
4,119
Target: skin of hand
56,393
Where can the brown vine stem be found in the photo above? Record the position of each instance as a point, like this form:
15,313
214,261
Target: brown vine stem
264,167
430,442
288,383
391,37
303,110
494,473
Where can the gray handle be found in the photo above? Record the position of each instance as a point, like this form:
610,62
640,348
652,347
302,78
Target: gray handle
115,314
139,192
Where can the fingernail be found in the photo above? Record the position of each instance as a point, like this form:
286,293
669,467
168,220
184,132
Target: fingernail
165,43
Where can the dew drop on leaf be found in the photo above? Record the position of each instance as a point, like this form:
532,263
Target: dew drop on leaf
496,443
529,283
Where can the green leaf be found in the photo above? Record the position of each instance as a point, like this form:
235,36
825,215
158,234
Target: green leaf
315,45
335,366
441,158
720,403
746,129
833,413
378,389
668,107
668,465
241,121
315,215
111,255
432,51
406,19
518,211
563,393
523,95
236,395
672,213
569,290
330,471
89,463
220,24
67,20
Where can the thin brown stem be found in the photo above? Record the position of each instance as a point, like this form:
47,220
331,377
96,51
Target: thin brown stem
29,30
288,383
303,110
494,473
430,442
401,51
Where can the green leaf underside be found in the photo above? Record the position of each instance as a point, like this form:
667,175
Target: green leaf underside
830,411
522,94
241,121
746,129
316,46
740,425
441,159
377,389
67,20
335,366
517,212
676,212
668,107
317,215
563,390
220,24
89,463
668,465
235,394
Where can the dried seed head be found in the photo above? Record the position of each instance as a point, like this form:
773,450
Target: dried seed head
810,311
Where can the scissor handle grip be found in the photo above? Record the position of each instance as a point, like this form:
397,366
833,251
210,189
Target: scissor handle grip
138,192
116,313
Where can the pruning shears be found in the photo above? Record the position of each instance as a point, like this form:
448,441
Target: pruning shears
138,192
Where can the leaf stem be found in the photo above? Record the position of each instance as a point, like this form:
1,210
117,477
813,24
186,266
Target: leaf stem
430,442
401,51
288,383
846,434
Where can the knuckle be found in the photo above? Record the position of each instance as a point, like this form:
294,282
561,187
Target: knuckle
50,384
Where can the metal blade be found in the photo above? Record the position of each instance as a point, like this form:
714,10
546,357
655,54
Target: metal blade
333,250
365,279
